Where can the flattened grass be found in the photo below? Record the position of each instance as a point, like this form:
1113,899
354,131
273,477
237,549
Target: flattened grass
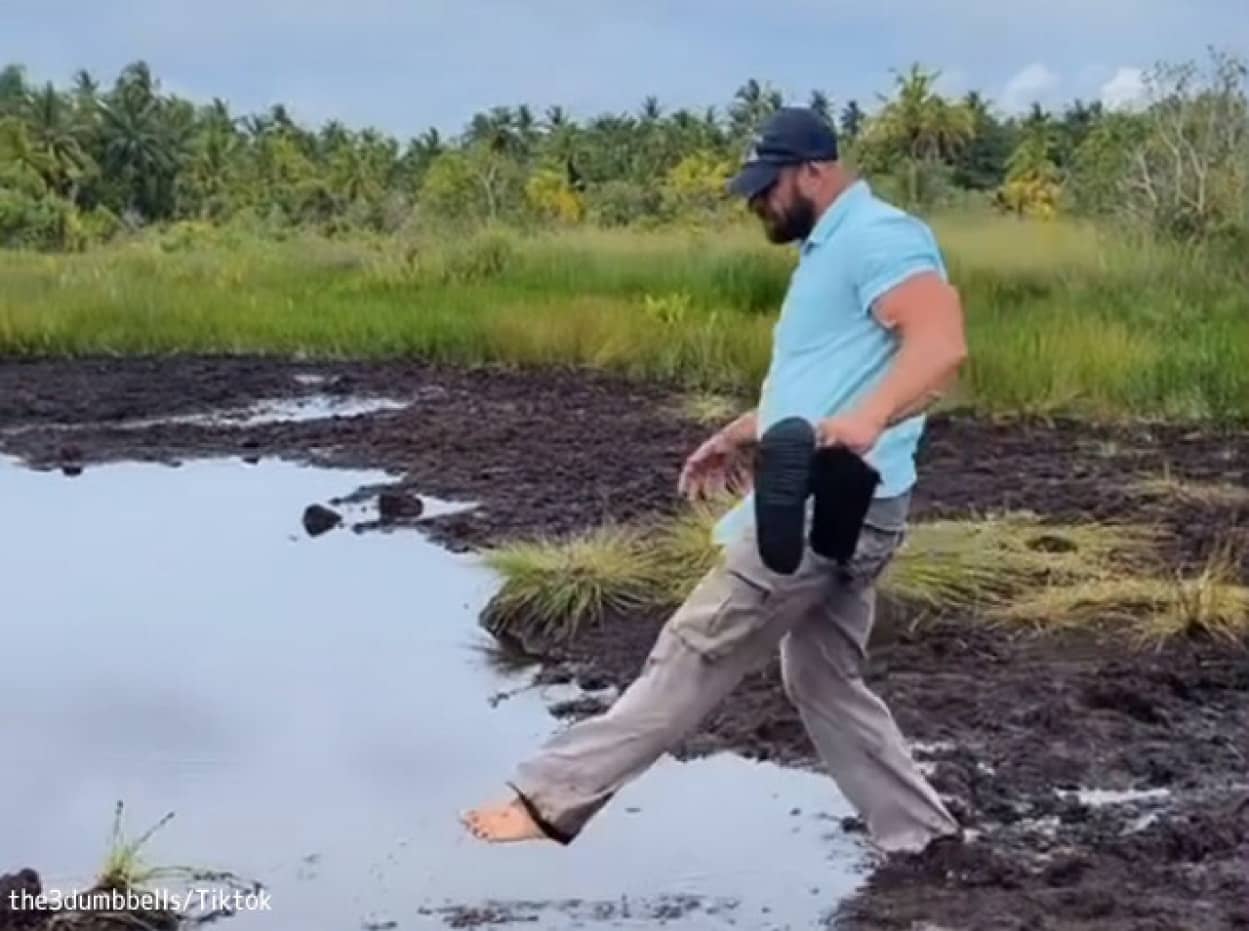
1222,495
978,565
1212,602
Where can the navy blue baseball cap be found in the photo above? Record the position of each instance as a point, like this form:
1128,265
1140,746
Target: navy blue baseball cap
790,136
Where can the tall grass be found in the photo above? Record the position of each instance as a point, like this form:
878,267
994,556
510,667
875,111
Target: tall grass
1062,317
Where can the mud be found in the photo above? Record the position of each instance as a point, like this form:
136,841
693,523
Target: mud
1012,726
27,905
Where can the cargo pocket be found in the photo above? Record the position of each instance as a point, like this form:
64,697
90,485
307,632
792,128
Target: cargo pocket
881,537
727,608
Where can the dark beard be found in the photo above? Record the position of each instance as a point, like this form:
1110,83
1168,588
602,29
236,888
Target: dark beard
796,223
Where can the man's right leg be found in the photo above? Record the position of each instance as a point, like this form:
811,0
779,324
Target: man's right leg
730,624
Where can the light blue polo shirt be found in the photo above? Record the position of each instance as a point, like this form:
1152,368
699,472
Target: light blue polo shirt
828,350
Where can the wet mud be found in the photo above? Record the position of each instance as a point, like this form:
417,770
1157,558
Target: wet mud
1014,727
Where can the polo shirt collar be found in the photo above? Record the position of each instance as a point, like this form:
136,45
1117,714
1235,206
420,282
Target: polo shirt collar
835,213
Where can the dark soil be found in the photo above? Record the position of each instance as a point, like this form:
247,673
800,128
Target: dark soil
26,906
1009,722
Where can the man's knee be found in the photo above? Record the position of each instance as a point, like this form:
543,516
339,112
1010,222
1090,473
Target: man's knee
819,664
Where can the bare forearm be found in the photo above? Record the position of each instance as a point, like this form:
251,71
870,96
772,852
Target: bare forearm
923,371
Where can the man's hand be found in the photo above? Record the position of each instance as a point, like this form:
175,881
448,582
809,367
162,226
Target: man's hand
856,430
720,464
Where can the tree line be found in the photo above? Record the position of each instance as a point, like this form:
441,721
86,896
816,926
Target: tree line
81,163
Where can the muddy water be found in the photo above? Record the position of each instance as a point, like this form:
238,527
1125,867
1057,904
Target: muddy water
315,711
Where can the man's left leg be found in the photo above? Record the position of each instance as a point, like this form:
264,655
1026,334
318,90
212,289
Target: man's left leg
823,659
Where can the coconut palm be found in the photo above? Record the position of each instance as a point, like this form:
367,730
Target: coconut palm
921,124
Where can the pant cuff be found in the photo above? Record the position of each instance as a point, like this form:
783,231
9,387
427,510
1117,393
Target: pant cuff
552,831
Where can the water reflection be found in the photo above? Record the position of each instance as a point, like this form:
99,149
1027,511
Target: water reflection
316,711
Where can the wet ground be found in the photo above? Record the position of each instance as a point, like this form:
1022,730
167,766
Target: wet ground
1013,729
316,710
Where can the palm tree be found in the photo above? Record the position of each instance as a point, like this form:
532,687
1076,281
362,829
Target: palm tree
136,79
334,136
526,129
651,111
17,148
55,133
137,149
256,125
86,90
922,123
12,89
211,166
852,121
753,103
821,105
556,116
493,129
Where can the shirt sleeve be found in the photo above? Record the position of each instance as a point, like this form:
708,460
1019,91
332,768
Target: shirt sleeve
894,249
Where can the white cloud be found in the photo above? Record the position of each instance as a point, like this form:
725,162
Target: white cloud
1035,83
1125,90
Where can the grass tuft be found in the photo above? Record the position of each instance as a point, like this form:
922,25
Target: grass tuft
123,867
554,586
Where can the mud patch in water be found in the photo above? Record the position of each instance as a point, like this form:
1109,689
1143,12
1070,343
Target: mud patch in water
316,711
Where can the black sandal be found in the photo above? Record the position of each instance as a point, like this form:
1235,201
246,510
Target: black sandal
783,463
843,485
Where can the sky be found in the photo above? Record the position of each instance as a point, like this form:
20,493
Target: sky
405,66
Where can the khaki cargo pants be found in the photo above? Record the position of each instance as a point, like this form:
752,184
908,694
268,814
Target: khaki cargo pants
732,623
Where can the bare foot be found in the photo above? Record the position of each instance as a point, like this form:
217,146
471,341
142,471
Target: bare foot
502,823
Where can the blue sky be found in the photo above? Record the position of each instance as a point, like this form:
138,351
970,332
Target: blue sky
403,66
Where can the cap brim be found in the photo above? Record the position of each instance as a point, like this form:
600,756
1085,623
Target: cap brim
754,179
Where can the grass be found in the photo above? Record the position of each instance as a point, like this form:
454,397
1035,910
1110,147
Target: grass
123,867
1062,317
1011,569
556,585
1212,602
125,870
710,408
1221,495
970,566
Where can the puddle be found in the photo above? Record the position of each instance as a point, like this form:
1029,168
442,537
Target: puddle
294,410
1096,798
315,711
261,413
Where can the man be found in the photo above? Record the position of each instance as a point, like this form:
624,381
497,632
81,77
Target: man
870,333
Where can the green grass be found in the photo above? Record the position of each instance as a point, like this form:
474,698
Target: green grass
1156,608
557,585
1012,569
1062,317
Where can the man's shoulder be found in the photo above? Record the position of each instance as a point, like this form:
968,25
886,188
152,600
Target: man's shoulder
888,245
880,217
880,228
